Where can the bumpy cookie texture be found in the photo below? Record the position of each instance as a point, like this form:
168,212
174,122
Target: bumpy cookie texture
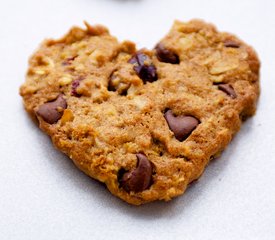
147,122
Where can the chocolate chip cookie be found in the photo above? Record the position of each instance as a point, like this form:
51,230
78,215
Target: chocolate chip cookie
144,122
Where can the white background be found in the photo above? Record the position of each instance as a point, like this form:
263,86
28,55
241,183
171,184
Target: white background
42,194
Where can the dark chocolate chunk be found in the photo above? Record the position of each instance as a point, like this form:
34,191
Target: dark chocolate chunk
231,44
139,58
52,111
166,55
147,72
228,89
140,178
182,126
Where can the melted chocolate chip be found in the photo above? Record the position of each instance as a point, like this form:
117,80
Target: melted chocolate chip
166,55
228,89
52,111
140,178
147,72
231,44
181,126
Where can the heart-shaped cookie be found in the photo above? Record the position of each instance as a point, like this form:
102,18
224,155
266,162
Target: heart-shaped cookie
147,122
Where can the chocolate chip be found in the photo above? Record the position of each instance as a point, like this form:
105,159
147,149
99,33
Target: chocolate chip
52,111
140,178
228,89
182,126
166,55
231,44
139,58
147,72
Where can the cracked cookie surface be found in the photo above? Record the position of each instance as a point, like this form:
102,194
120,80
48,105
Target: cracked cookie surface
146,122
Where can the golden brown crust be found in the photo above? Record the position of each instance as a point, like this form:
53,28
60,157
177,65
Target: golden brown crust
102,130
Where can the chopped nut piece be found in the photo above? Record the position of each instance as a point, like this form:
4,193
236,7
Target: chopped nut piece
68,116
65,80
